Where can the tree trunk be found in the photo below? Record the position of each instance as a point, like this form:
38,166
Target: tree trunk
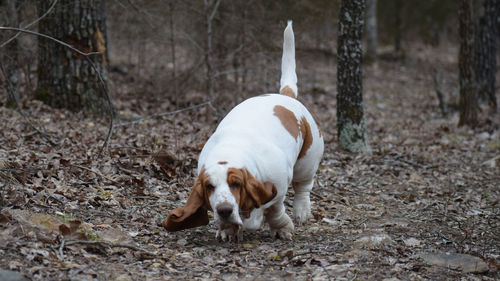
371,31
398,22
211,7
171,6
67,79
486,47
9,58
350,117
468,99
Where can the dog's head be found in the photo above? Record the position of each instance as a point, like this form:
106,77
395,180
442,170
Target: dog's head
230,193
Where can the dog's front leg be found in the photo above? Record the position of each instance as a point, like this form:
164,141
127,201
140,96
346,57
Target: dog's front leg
280,223
229,232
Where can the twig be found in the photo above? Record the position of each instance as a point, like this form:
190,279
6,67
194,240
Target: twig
141,11
214,10
111,245
31,24
316,194
163,114
50,38
327,273
95,172
61,248
439,93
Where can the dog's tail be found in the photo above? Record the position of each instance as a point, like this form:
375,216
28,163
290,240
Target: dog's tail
288,83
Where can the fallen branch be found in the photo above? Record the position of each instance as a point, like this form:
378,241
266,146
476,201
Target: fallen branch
95,172
162,114
108,244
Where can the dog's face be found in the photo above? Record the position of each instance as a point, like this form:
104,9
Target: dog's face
230,193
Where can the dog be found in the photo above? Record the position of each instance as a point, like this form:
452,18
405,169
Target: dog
263,145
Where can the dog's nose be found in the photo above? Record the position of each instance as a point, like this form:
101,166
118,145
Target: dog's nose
225,211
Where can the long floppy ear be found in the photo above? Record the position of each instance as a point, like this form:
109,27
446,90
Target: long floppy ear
261,193
193,214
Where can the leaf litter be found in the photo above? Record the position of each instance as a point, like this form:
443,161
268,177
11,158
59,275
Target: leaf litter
423,206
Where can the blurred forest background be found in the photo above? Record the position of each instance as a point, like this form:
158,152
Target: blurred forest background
100,134
162,44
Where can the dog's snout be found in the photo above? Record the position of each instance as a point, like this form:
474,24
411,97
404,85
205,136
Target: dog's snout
225,211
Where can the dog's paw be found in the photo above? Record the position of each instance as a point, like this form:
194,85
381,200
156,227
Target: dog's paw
285,232
228,233
302,210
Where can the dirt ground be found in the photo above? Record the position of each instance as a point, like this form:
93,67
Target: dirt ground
424,206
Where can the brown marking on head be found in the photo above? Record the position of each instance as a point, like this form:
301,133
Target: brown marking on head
287,91
288,120
305,130
264,95
222,162
194,213
249,192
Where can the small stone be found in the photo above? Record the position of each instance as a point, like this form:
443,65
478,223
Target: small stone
182,242
465,263
10,275
412,242
483,136
376,240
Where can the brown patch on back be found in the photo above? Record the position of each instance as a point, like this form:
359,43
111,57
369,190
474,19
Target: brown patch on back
305,129
287,91
288,120
222,162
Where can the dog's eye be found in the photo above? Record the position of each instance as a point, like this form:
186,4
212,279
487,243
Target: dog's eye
235,185
210,187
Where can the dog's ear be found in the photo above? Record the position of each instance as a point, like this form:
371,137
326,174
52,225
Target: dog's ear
260,193
193,214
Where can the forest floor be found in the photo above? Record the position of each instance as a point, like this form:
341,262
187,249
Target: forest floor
423,206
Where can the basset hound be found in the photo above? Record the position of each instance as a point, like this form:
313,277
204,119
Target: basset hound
263,145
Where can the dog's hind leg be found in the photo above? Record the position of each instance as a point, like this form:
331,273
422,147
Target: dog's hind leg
301,201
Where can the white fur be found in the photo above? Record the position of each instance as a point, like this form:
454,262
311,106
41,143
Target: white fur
288,74
251,136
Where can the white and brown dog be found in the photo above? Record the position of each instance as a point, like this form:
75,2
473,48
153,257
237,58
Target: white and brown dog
244,170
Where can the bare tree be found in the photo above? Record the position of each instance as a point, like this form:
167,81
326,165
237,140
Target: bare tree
371,31
486,47
67,79
350,116
9,56
171,6
468,92
398,22
211,7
